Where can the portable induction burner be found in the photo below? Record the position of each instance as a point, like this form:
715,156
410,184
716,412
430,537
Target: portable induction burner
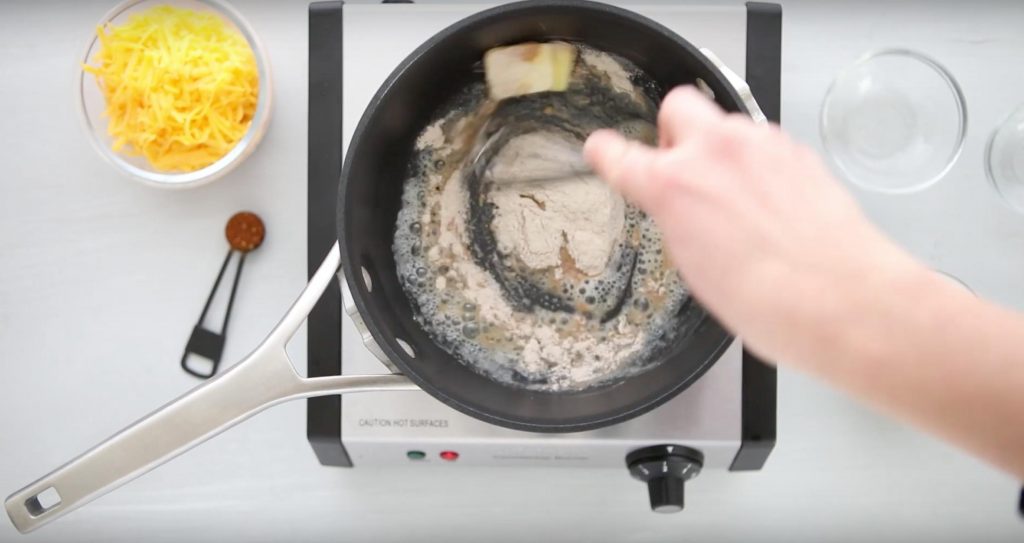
726,420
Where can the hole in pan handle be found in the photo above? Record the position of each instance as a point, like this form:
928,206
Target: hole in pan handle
264,378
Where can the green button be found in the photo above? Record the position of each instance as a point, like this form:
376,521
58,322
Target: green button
416,455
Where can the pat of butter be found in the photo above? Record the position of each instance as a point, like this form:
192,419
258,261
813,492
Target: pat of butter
527,68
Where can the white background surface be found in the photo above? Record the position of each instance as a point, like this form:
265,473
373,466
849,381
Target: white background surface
101,280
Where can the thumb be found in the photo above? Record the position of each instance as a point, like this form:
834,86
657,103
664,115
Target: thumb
624,164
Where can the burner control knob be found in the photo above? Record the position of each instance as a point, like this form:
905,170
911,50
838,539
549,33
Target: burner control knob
665,469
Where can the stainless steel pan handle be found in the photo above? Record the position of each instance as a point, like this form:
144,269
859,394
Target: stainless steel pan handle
264,378
738,83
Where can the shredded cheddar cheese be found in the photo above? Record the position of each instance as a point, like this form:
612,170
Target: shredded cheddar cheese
180,86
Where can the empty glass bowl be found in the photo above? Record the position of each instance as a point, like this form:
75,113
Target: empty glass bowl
955,280
92,104
1004,159
894,121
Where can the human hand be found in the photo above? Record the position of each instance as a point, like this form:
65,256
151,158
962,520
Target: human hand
764,236
775,248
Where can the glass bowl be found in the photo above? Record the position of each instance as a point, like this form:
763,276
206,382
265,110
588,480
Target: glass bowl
92,104
894,121
955,280
1004,159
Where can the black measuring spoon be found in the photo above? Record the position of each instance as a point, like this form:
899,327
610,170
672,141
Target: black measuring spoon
245,233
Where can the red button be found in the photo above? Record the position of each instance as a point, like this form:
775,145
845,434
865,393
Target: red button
450,456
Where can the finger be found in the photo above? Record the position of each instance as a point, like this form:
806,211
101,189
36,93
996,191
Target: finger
624,164
686,112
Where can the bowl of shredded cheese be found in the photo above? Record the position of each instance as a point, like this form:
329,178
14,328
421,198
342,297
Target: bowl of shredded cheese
174,93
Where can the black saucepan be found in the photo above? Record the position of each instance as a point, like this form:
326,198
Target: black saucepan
368,202
370,197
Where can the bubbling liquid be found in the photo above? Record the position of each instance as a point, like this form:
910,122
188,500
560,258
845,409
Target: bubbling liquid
550,327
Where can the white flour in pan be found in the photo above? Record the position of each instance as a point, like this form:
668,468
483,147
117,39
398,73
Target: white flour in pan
617,75
546,347
568,229
536,220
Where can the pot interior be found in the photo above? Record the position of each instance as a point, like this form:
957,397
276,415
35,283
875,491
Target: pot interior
370,197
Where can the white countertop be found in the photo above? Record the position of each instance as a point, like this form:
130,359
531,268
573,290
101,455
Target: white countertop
101,280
